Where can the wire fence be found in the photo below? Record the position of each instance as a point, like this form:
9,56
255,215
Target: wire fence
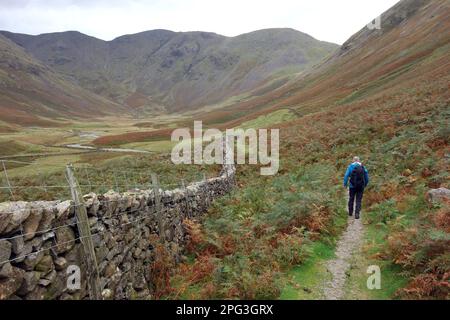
37,184
113,218
89,180
57,244
104,219
113,211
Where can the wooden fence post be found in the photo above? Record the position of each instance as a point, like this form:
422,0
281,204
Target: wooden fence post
158,209
7,181
187,203
205,181
85,236
229,162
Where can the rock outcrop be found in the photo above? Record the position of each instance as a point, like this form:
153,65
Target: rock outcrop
438,195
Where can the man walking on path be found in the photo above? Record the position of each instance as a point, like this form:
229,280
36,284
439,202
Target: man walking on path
359,179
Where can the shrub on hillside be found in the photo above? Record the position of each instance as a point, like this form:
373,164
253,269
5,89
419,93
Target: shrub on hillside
251,236
422,249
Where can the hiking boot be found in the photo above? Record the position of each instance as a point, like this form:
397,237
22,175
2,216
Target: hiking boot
357,216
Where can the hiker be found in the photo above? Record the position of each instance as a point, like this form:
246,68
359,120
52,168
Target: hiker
359,179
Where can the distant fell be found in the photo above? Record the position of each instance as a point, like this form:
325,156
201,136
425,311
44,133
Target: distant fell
174,71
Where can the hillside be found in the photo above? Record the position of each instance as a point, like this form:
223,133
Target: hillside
412,49
412,45
384,97
161,69
31,94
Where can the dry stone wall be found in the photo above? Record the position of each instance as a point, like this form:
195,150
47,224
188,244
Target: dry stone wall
40,241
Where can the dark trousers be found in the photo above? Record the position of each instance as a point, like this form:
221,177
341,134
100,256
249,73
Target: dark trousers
355,194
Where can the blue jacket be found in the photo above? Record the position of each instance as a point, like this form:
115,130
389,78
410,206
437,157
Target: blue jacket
349,172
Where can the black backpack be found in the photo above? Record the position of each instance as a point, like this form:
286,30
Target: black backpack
357,178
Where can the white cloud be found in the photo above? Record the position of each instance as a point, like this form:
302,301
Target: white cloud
328,20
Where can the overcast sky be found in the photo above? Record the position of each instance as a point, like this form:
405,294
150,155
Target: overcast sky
328,20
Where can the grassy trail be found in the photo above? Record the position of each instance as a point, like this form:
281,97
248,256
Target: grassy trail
367,255
325,273
339,267
305,282
340,272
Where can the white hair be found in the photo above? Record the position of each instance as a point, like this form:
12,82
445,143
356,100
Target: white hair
356,159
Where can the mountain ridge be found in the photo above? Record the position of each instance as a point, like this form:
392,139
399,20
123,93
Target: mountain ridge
33,94
174,70
377,60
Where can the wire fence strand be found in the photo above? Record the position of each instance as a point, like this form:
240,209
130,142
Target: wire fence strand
127,180
103,202
70,241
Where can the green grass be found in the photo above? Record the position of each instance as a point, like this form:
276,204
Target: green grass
268,120
97,172
243,231
272,226
356,286
305,282
391,275
380,221
163,146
